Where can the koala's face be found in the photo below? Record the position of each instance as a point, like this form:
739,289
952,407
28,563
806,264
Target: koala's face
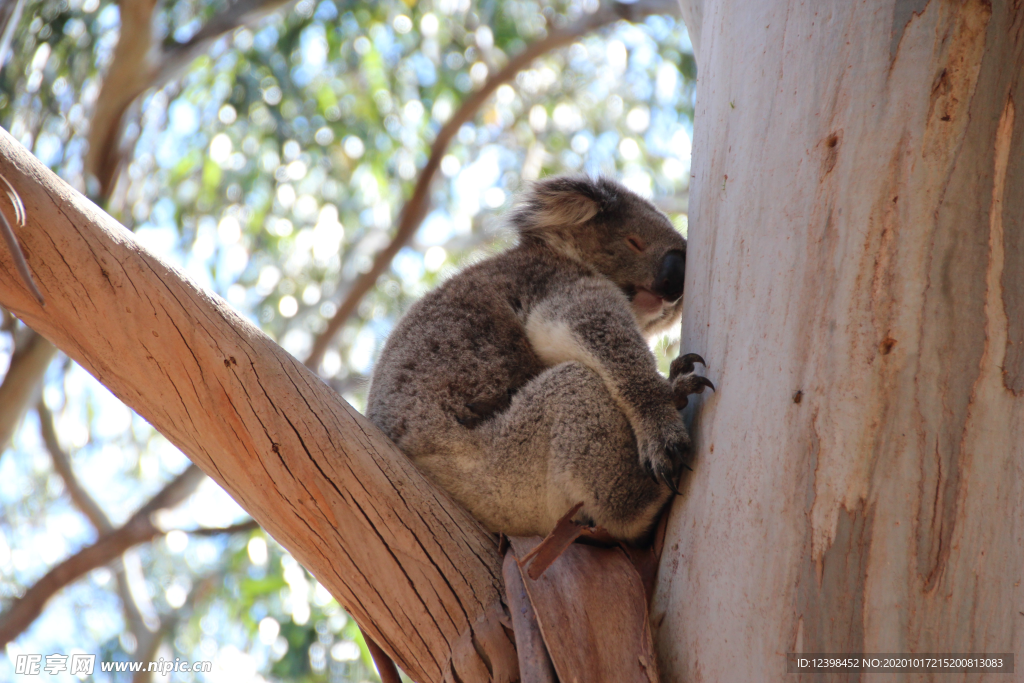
619,234
639,249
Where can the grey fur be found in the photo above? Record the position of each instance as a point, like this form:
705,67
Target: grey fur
524,384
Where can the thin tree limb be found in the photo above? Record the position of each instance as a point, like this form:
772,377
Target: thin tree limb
62,464
88,506
129,75
27,608
138,529
10,15
31,358
237,14
179,488
241,527
385,667
137,621
416,207
147,651
202,590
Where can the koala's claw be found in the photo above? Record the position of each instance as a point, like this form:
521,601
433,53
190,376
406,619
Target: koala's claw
705,381
684,365
685,385
666,469
665,475
694,358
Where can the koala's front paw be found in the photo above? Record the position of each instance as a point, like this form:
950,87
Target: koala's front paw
662,452
684,382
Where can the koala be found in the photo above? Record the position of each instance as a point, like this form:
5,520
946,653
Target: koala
525,384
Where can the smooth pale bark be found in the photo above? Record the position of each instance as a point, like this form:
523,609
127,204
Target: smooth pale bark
21,383
420,575
856,282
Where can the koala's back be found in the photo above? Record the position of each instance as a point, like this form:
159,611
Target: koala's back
459,354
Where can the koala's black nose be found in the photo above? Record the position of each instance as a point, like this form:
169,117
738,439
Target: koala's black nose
669,283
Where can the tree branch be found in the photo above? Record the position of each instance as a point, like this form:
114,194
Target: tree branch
385,667
241,527
10,14
62,464
237,14
25,609
131,72
139,64
88,506
111,545
146,651
172,495
28,365
413,568
416,207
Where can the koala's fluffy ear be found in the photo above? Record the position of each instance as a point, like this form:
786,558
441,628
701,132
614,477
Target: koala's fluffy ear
562,202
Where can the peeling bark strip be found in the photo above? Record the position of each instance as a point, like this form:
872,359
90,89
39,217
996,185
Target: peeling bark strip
554,544
534,661
881,281
412,567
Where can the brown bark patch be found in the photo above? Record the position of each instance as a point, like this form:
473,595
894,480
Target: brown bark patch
962,32
882,246
1013,264
831,146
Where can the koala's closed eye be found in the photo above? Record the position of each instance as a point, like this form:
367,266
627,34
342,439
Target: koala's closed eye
636,244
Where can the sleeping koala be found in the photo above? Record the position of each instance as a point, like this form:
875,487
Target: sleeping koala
524,385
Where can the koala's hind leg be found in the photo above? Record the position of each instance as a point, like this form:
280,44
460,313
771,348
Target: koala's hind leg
564,440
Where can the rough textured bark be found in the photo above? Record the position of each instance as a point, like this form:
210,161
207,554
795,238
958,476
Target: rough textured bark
412,567
856,282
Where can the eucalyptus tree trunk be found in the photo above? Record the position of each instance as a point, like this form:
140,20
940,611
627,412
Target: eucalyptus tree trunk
856,282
